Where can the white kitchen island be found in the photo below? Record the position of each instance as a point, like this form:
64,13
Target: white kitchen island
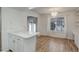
76,38
22,41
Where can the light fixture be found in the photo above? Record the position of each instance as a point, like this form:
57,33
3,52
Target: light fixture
54,13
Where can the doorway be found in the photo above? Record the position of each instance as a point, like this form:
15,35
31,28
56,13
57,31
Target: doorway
32,24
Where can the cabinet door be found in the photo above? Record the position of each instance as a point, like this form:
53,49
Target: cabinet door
77,40
30,44
18,45
11,42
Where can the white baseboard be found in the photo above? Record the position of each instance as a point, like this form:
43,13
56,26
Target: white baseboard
56,36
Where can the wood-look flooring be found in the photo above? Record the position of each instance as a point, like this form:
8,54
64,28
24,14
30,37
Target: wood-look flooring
50,44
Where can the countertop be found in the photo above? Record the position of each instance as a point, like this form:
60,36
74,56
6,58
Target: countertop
24,34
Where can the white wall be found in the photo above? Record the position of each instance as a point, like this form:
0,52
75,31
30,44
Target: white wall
71,17
43,23
0,19
69,25
13,20
77,21
0,28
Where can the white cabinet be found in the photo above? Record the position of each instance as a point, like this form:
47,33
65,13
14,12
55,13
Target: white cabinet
15,43
77,40
11,42
19,44
30,44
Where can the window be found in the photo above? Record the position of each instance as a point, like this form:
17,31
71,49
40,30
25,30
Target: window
57,24
32,27
31,24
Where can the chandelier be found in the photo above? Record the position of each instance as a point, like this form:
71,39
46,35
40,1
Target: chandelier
54,13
